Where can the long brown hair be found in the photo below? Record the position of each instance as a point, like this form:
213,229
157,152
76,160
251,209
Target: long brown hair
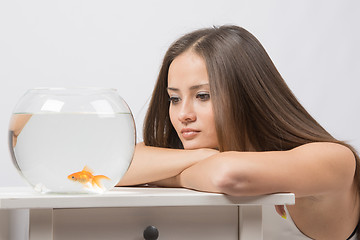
253,107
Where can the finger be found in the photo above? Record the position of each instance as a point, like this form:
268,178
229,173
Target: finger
280,209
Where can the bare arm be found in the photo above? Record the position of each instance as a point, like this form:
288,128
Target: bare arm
17,123
152,164
308,170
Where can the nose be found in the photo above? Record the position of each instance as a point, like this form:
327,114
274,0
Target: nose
187,113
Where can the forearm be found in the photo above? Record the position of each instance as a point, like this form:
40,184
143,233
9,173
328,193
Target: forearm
236,173
173,182
151,164
226,172
202,176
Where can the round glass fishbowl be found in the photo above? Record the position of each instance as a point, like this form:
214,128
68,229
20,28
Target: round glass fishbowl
72,140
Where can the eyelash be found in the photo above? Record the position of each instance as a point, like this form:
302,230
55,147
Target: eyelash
174,100
201,96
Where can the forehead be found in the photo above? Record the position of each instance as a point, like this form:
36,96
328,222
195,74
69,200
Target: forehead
187,69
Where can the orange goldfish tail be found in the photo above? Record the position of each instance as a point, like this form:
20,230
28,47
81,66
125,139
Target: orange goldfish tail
97,178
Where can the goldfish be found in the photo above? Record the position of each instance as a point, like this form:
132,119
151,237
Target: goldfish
87,177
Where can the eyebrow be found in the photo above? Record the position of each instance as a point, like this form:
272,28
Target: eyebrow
191,88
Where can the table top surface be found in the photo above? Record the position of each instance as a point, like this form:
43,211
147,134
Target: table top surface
27,198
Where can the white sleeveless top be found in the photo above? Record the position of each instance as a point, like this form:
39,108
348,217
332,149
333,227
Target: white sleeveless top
277,228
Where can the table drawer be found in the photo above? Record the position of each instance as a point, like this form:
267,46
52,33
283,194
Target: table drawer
129,223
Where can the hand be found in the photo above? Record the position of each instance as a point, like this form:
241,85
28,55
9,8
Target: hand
17,123
280,209
207,152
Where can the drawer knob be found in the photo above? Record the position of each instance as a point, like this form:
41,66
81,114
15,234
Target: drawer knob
151,233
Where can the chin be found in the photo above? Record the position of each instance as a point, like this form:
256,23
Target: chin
190,146
193,145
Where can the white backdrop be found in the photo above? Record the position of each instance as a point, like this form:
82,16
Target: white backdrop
120,44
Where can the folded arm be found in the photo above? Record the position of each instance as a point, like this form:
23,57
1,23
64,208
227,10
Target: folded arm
308,170
152,164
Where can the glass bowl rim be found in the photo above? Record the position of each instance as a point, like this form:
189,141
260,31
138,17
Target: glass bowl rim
71,88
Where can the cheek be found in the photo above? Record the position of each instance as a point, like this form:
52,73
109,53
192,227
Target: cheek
211,124
209,119
172,116
214,142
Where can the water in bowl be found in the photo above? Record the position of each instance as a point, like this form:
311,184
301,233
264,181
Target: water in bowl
72,152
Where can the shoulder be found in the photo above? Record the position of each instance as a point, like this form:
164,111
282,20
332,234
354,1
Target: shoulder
325,148
327,156
321,168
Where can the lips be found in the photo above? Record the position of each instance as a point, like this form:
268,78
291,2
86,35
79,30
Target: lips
189,133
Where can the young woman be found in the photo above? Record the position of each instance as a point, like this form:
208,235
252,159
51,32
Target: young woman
222,119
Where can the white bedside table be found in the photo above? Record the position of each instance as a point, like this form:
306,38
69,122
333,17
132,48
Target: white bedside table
125,213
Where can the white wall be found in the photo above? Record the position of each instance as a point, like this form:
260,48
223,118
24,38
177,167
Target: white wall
120,44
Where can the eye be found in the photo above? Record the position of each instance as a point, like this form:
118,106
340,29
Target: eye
203,96
174,100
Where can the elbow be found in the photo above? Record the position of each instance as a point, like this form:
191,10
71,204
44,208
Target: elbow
229,180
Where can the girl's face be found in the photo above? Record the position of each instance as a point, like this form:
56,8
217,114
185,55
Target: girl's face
191,111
